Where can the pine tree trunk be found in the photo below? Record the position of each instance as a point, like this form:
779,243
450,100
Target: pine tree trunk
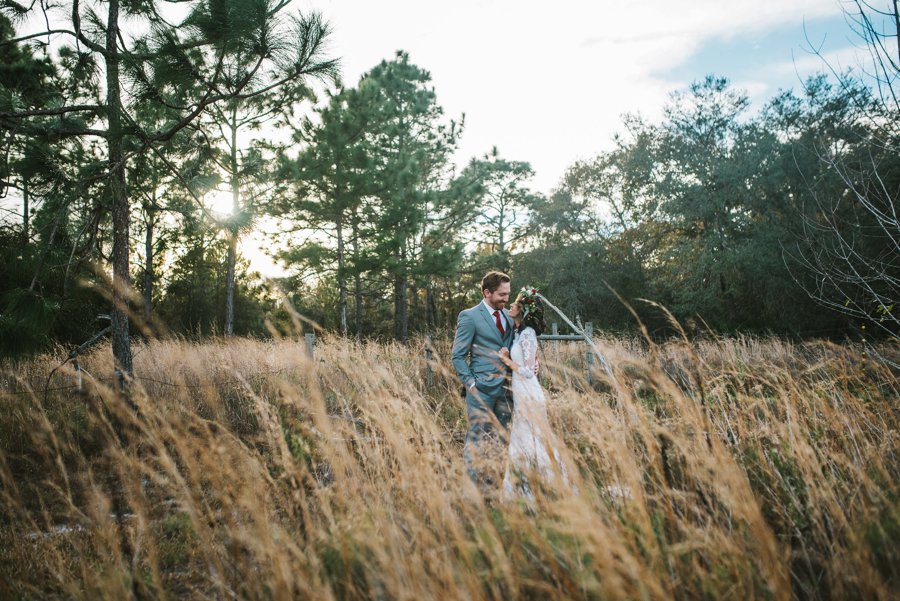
25,208
233,234
401,316
47,246
148,270
229,284
357,282
413,312
430,308
342,279
358,305
501,233
897,28
502,250
121,342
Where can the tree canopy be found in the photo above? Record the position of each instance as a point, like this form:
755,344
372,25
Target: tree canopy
772,220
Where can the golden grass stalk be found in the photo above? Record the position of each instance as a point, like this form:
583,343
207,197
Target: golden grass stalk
741,468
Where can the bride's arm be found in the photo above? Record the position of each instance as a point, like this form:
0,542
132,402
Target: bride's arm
528,341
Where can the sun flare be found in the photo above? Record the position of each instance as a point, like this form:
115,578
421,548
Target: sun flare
219,202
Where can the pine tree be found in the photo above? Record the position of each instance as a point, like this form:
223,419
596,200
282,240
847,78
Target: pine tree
180,67
415,145
329,182
254,102
505,204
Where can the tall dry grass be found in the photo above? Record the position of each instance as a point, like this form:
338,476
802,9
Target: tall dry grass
726,469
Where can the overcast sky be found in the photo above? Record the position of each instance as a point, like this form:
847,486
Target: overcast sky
548,82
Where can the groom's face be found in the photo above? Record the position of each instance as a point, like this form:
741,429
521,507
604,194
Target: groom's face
499,297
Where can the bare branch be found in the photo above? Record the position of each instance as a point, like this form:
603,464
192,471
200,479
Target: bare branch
39,34
76,23
50,112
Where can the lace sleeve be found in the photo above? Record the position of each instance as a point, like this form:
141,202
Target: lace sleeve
529,343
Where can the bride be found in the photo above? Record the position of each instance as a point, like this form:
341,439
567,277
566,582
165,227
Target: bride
532,447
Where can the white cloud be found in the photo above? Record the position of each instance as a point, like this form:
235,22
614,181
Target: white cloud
755,90
548,82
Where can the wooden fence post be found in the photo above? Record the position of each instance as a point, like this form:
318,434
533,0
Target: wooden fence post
77,369
311,345
586,336
589,353
429,358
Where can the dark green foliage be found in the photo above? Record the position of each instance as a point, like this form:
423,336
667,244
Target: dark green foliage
25,321
582,278
22,75
158,79
32,318
375,181
413,215
193,301
731,219
697,211
502,202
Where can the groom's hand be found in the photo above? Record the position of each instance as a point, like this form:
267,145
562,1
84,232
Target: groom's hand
504,356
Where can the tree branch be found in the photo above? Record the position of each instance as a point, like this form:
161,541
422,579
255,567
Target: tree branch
50,112
76,24
36,35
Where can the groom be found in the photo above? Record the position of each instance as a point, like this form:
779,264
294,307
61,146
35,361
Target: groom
481,332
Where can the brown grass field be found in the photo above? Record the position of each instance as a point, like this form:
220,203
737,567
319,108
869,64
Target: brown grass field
735,468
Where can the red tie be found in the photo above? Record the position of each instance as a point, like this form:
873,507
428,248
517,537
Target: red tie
499,323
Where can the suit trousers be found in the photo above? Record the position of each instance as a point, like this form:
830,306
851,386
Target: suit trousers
488,415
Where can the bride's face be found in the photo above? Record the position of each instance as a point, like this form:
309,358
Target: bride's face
515,310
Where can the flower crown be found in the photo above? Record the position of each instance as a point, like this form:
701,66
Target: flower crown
530,299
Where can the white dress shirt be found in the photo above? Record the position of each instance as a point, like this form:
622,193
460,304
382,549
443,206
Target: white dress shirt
503,319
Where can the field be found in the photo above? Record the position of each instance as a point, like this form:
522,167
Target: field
731,468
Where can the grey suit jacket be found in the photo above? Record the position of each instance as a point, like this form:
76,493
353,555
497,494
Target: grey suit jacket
478,338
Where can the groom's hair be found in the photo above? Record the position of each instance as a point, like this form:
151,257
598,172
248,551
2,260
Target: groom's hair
492,280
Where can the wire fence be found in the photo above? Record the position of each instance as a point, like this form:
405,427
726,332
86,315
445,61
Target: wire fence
119,378
554,337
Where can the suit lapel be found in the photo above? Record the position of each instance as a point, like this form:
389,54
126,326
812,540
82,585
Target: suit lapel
491,322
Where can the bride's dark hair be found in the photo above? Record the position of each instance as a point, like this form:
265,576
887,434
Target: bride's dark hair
535,314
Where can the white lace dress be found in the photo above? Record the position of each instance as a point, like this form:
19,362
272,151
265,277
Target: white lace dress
533,450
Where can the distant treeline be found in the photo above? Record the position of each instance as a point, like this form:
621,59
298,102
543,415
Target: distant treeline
781,220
